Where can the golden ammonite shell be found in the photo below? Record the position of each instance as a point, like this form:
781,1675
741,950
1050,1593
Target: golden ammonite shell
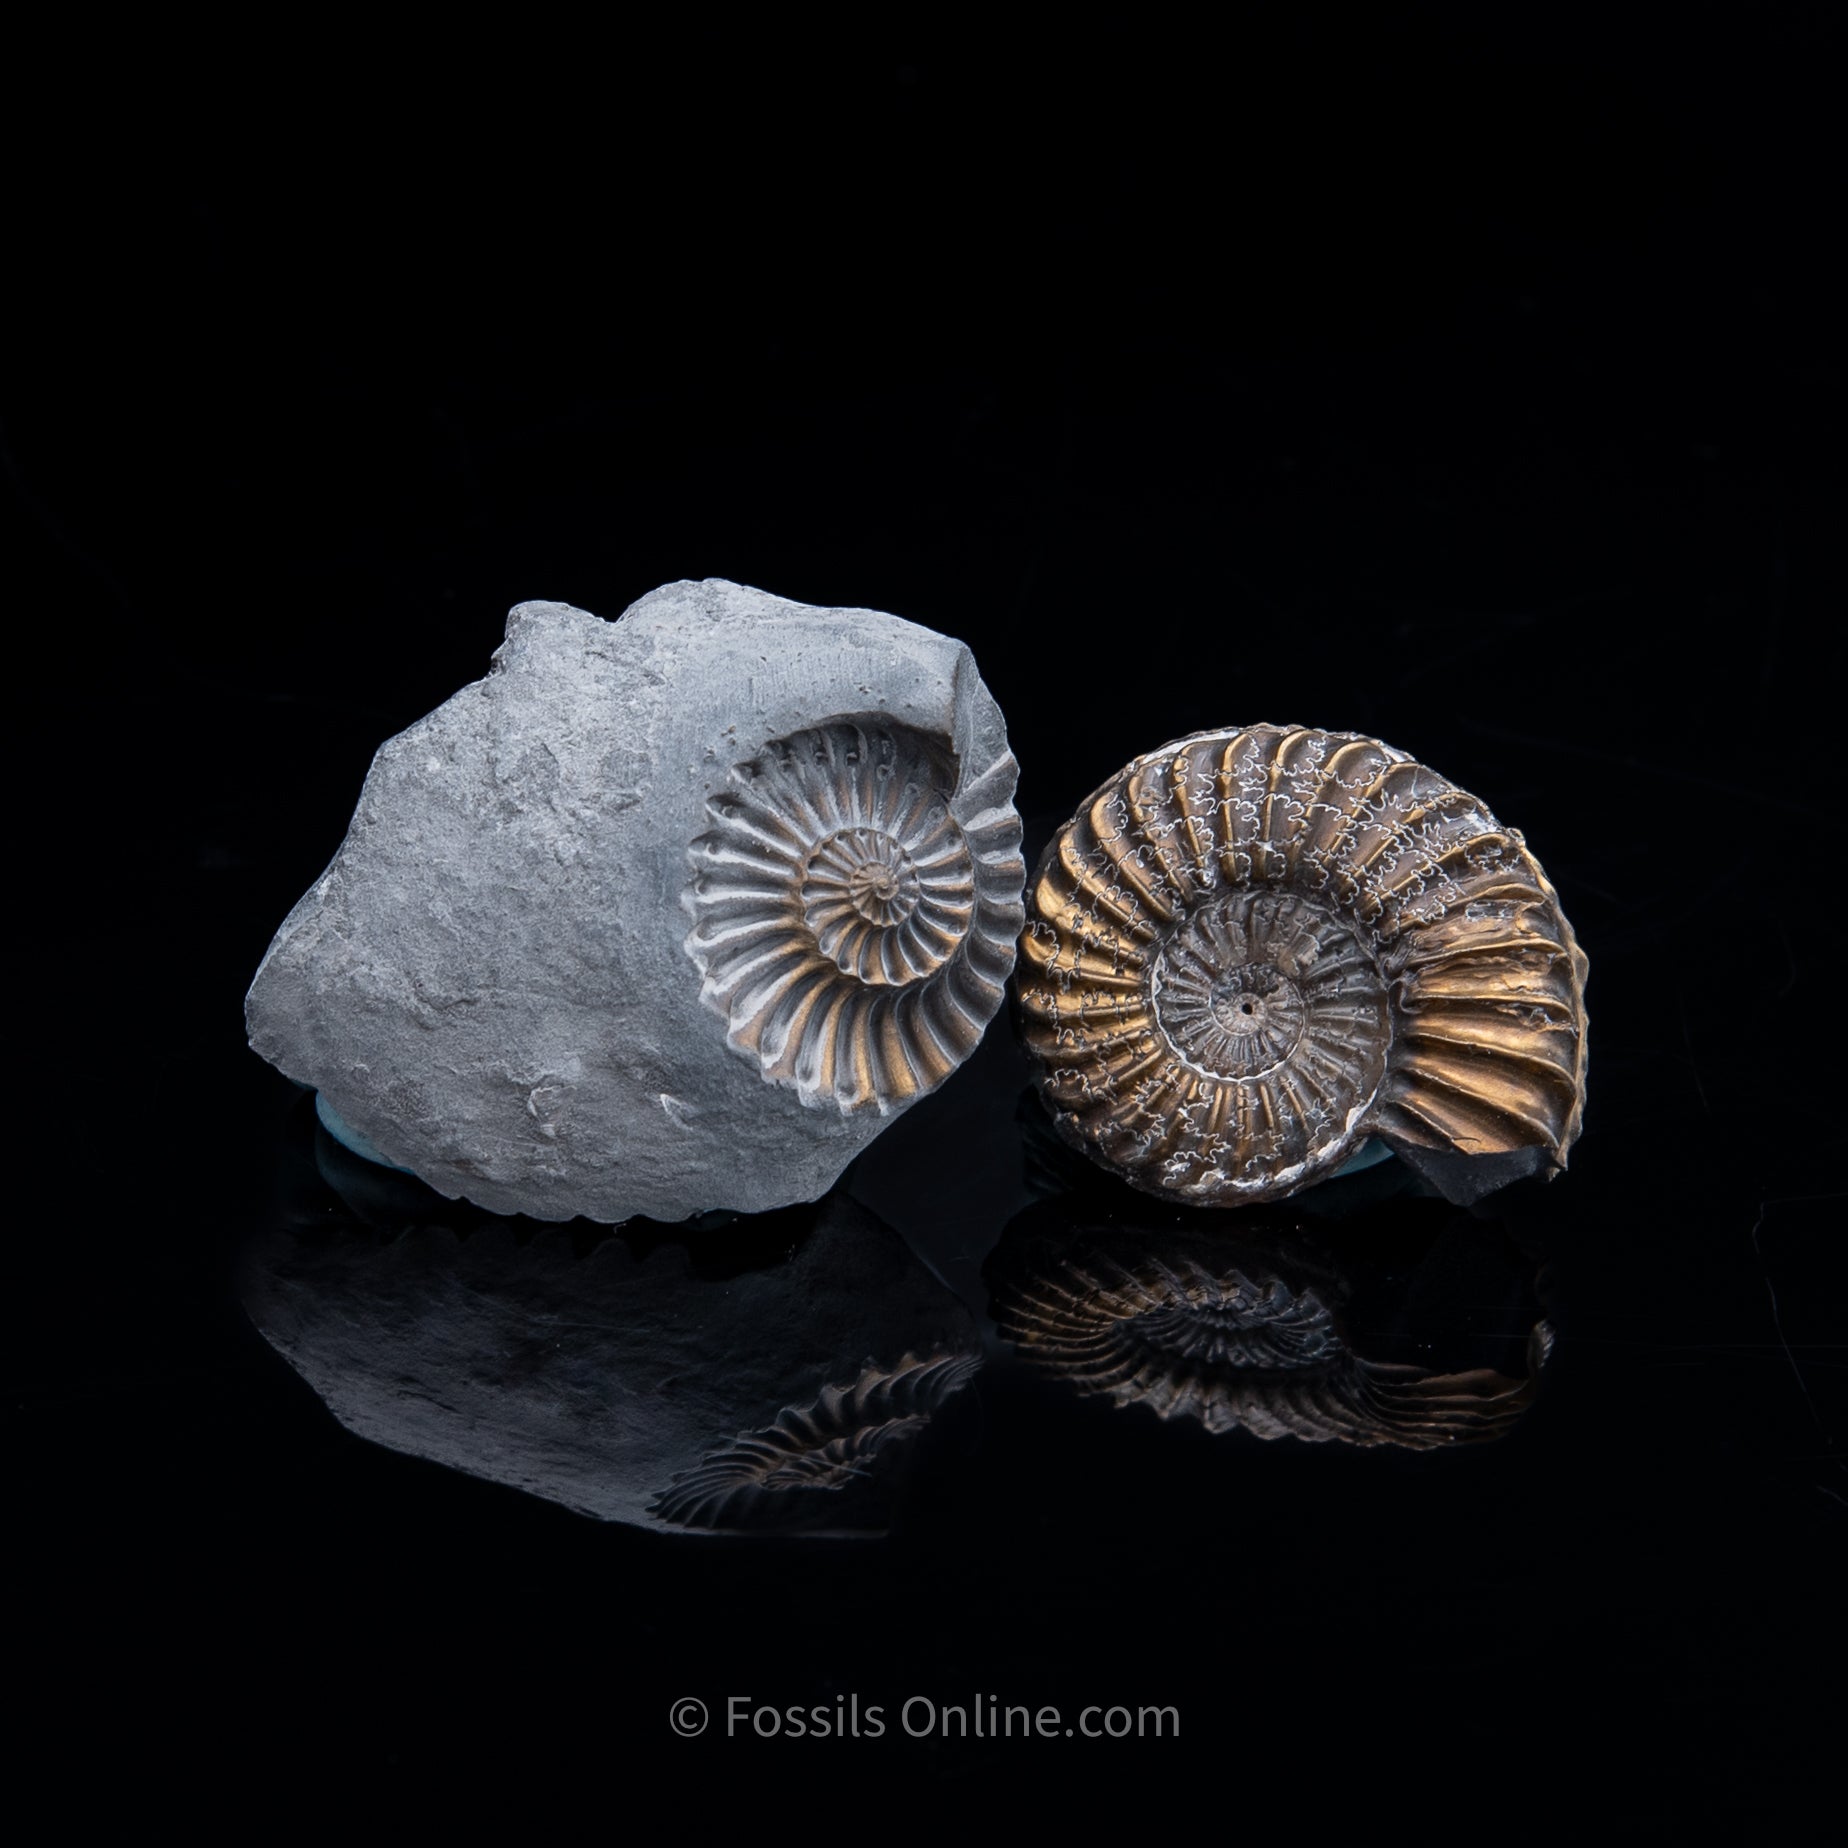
1251,950
855,907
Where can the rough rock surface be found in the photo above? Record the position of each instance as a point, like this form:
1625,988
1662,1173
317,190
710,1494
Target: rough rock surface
492,983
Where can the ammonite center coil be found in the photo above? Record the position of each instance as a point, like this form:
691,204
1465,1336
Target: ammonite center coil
1252,950
855,904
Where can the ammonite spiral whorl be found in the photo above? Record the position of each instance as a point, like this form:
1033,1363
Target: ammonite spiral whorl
855,911
1251,950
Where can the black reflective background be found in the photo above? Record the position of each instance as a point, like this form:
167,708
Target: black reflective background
1471,386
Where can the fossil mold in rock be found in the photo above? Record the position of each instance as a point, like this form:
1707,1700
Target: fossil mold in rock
855,920
665,915
1252,950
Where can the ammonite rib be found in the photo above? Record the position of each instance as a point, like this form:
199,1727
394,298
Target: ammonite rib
1251,950
855,906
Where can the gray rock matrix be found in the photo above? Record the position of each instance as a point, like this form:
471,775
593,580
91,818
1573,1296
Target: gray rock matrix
491,982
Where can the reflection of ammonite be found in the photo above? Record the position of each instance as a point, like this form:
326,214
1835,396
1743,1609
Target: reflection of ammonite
819,1467
1224,1332
1251,950
855,907
614,1374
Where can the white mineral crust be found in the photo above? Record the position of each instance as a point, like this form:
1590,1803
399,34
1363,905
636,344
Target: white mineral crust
491,984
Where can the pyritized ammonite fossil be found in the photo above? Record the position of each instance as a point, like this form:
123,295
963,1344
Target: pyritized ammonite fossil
1252,950
856,903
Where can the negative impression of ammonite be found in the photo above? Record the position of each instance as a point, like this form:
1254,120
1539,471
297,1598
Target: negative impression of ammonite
1252,950
856,903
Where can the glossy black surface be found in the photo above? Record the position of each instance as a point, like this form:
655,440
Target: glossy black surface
1470,385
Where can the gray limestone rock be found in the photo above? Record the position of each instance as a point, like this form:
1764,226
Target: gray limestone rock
664,915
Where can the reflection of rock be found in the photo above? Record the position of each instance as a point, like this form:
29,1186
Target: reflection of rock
1256,1330
772,1375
